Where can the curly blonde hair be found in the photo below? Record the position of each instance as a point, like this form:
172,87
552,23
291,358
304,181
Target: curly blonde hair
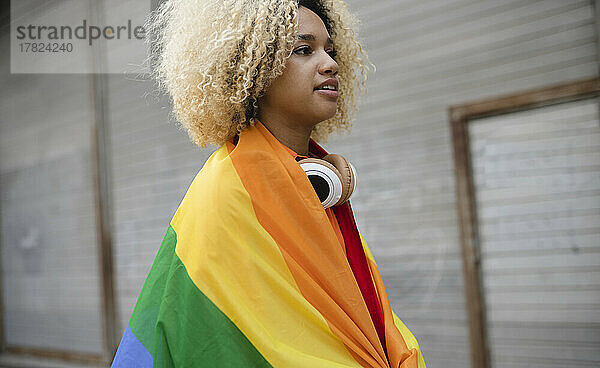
215,58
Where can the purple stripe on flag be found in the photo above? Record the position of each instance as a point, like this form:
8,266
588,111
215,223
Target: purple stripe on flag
131,353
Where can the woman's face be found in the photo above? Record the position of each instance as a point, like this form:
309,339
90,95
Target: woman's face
298,94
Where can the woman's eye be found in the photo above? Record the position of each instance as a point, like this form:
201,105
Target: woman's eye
332,53
305,50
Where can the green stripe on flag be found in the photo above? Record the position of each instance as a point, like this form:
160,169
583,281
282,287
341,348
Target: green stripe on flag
180,326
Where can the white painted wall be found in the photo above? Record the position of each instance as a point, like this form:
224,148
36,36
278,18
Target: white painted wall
430,54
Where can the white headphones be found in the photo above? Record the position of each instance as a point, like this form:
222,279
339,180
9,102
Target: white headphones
333,177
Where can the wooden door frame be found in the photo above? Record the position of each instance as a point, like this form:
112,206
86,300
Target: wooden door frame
459,117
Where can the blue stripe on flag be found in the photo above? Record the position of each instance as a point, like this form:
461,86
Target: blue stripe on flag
131,353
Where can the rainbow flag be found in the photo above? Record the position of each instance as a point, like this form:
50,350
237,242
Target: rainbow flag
252,274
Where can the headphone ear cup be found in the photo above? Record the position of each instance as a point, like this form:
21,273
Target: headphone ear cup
325,179
347,175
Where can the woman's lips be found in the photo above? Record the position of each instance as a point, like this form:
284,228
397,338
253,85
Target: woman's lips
327,92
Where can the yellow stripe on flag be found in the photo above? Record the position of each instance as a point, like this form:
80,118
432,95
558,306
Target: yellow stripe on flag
238,266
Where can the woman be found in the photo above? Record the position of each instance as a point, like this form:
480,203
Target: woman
254,270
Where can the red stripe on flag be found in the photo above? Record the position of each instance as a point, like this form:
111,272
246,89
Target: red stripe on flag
356,257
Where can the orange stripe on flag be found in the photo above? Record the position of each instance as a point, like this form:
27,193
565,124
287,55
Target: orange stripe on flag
294,217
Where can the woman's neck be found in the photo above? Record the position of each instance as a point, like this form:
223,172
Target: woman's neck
293,136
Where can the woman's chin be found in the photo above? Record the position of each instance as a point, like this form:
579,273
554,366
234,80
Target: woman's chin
328,113
331,115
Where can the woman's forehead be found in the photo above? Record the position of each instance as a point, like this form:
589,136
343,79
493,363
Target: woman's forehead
311,26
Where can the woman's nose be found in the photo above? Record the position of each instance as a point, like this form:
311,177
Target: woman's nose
328,65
